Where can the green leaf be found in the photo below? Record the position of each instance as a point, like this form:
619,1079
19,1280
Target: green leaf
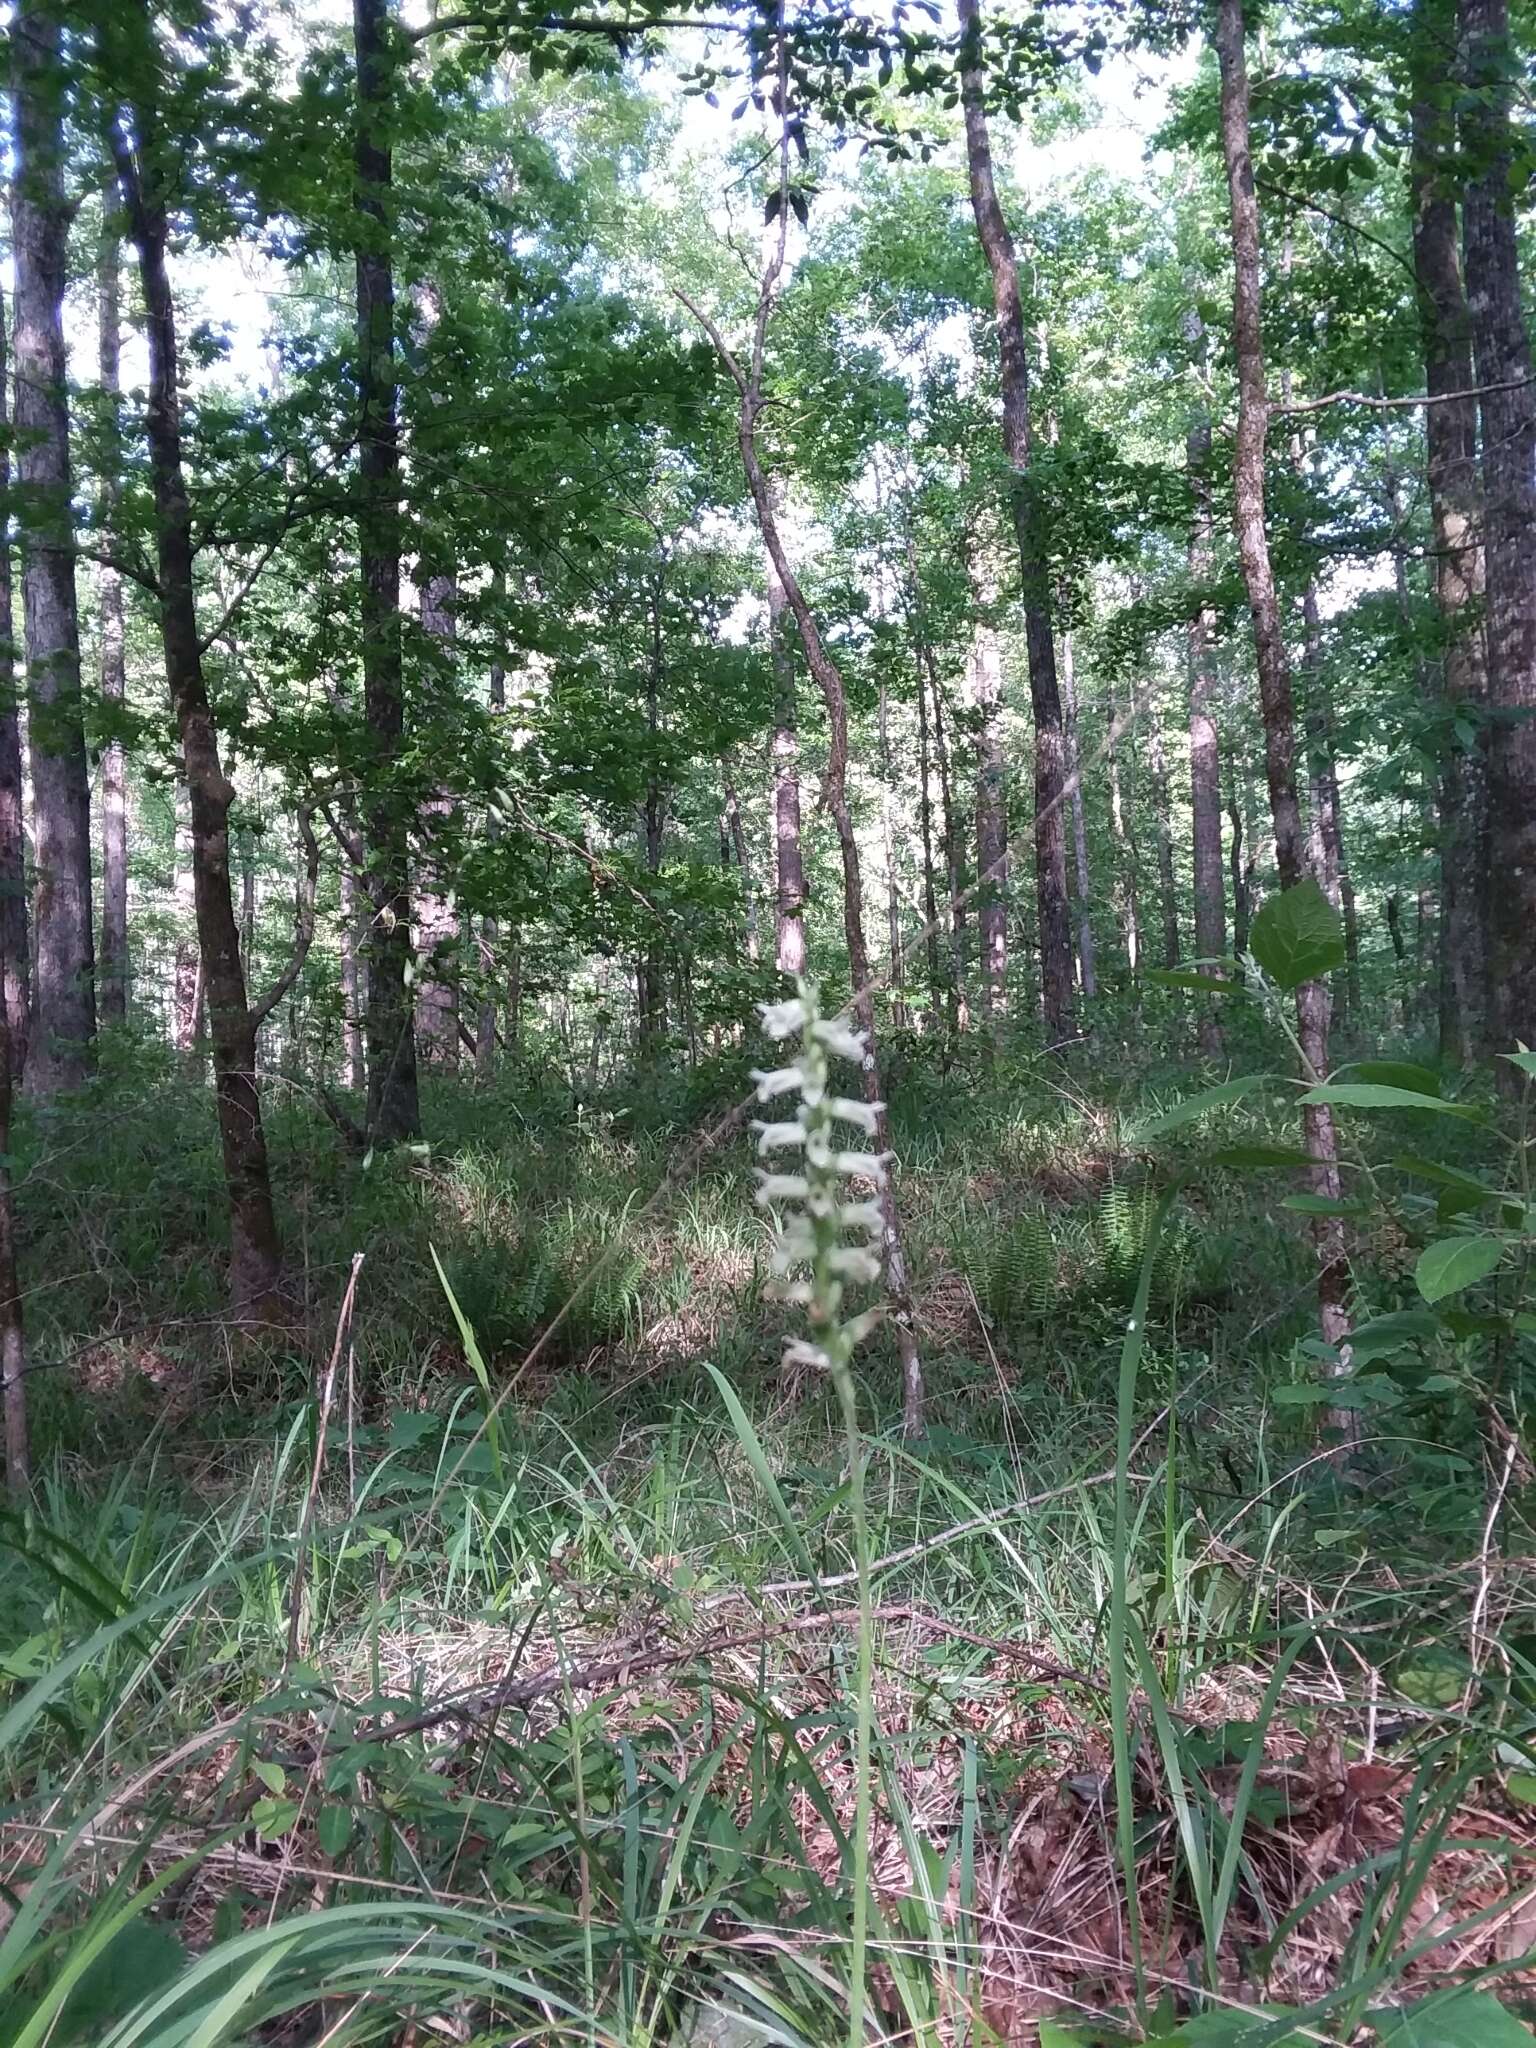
1454,1263
1306,1394
1398,1074
1194,1106
1185,977
1297,936
1385,1336
271,1775
1521,1787
1244,1156
333,1824
1458,2019
1370,1095
273,1817
1324,1205
1229,2029
1525,1061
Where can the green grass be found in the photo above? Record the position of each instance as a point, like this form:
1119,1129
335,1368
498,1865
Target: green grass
202,1840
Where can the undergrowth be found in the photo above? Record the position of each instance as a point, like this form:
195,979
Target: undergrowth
544,1730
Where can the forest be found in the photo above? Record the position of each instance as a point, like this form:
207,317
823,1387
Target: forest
767,1000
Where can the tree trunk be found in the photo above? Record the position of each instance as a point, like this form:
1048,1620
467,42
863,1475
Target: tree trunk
986,680
113,961
394,1109
896,972
485,1022
1128,866
187,967
255,1264
437,918
652,977
62,1044
789,916
13,1357
354,904
1087,952
15,955
736,839
1502,351
1045,697
1242,872
925,821
1248,487
1204,744
1162,805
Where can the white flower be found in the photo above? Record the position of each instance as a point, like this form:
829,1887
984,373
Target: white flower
853,1263
798,1352
862,1216
780,1081
835,1035
867,1165
781,1187
865,1114
781,1020
771,1137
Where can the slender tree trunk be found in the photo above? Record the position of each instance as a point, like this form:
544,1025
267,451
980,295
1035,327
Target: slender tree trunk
255,1253
394,1109
653,965
789,919
1087,952
1128,866
954,860
1502,351
113,960
15,945
1456,511
353,913
896,973
62,1044
1162,805
1242,872
925,823
485,1022
1274,673
1045,697
986,681
13,1356
437,918
187,968
1204,744
736,838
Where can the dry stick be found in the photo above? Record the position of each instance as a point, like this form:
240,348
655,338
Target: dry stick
307,1520
1485,1574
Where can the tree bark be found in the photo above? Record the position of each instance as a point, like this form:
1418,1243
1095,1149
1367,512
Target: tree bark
1056,973
736,839
1087,951
1162,805
1456,513
1278,711
489,937
1122,831
394,1108
986,679
15,954
437,919
112,963
1502,351
353,912
789,915
896,970
653,963
62,1044
1204,743
255,1264
13,1356
925,823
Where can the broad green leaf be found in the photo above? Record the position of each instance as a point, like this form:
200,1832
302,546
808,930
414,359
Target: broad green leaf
1194,1106
1385,1336
333,1824
1185,977
1261,1156
1525,1061
1307,1394
271,1775
1297,936
1454,1263
1230,2029
1397,1074
1445,1176
1521,1787
1456,2019
1371,1095
1324,1205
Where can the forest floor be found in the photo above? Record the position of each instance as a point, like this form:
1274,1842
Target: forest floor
508,1694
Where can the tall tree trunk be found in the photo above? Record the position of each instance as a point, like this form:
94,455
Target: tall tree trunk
15,953
13,1356
1204,744
353,915
1331,862
925,822
653,964
1122,831
1242,871
394,1109
113,961
954,857
896,972
255,1265
1456,511
1502,351
1087,952
1045,696
62,1045
736,838
1249,513
489,938
437,917
1162,806
986,679
789,858
187,965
